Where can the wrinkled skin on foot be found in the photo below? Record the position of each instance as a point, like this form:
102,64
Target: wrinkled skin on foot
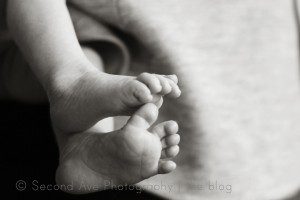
127,156
79,104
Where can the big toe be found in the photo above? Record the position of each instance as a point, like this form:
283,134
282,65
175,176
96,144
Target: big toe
144,117
138,93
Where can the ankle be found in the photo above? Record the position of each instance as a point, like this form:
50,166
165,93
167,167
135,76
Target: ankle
62,82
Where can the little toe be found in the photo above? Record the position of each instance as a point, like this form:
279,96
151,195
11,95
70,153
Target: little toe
175,91
144,117
165,167
173,77
151,81
170,152
140,91
170,140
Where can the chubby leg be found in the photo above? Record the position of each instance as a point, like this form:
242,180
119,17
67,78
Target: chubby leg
19,83
91,160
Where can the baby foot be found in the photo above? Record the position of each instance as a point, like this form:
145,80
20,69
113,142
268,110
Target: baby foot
93,161
96,95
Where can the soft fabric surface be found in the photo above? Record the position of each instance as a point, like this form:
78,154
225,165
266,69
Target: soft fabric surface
238,67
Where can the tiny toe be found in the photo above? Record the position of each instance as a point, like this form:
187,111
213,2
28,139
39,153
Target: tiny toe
151,81
165,128
170,140
165,167
175,91
144,117
173,77
170,152
166,87
141,92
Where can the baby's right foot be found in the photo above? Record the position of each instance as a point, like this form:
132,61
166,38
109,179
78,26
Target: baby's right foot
96,95
96,161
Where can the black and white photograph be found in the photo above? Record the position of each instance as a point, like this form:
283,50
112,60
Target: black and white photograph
150,100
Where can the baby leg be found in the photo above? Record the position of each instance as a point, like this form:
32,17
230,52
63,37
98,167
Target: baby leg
18,82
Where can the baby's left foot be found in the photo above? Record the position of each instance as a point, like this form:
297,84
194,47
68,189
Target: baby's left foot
93,161
94,96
